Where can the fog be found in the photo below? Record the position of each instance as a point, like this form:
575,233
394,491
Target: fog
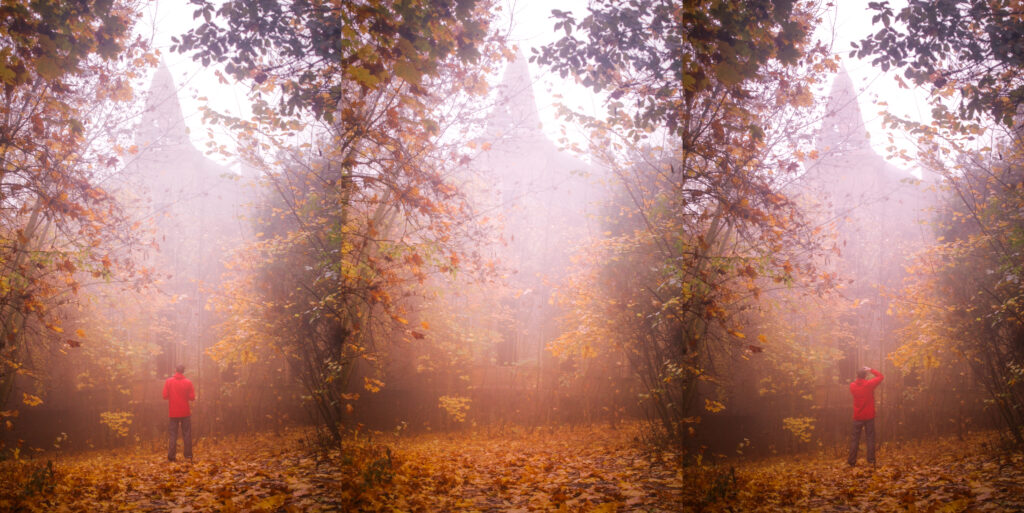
495,224
499,341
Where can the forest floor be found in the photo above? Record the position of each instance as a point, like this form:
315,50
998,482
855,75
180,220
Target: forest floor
564,469
936,475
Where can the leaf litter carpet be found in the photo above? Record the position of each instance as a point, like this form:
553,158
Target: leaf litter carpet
563,469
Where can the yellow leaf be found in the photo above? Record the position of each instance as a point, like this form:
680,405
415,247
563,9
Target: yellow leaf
272,503
373,385
713,406
30,399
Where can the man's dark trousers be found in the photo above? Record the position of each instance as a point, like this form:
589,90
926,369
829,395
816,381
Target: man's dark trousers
869,431
186,436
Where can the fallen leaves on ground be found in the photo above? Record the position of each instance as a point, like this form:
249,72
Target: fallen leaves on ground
251,473
938,475
566,469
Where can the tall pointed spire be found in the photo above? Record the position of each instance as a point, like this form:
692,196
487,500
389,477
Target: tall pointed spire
516,110
163,125
842,130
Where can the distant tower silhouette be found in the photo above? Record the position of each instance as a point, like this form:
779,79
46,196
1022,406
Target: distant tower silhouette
543,198
847,168
877,211
196,206
515,112
163,126
842,131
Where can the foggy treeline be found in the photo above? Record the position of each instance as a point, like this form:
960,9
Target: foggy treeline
400,247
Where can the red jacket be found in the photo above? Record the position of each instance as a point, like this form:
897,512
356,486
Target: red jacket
863,391
178,392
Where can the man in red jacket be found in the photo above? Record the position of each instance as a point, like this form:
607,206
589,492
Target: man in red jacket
178,391
863,391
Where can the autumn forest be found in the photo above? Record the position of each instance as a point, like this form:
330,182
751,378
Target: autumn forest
396,279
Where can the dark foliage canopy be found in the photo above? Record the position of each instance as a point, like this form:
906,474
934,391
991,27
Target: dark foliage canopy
311,47
975,46
673,51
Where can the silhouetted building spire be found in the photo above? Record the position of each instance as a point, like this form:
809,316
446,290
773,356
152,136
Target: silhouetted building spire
196,206
543,197
163,125
515,113
842,130
878,216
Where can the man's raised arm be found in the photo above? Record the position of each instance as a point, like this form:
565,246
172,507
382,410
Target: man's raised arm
878,376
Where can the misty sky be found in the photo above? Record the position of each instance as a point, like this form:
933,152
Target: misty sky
529,25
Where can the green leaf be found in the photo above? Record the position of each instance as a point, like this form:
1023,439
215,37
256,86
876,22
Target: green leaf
756,132
431,126
363,76
47,68
408,72
407,48
727,74
689,81
7,75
